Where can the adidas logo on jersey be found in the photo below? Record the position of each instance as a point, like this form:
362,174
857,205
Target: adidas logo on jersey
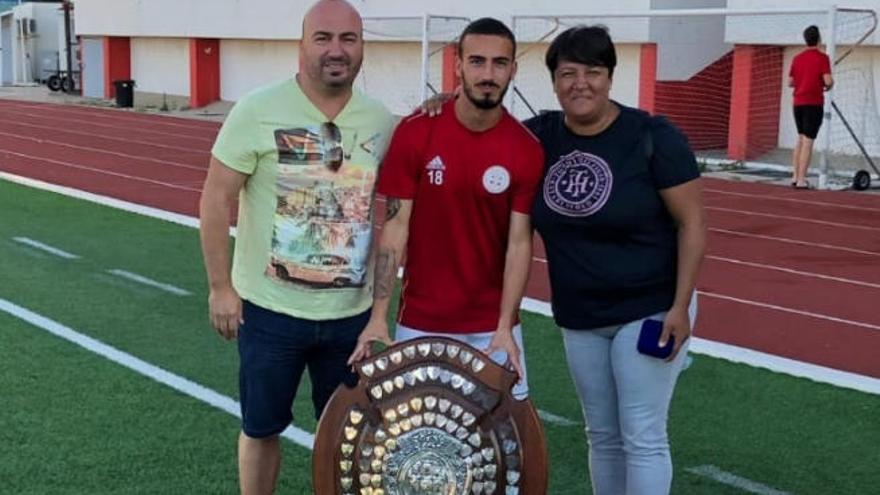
436,164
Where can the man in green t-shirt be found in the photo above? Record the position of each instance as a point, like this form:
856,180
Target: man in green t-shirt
301,156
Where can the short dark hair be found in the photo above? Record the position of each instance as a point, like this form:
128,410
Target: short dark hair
588,45
490,26
811,35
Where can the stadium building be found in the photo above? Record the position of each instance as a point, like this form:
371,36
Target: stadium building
717,68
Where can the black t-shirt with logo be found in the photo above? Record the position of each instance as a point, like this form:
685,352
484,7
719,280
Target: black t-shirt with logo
611,243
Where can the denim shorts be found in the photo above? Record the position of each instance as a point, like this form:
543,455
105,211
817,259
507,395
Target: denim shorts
274,349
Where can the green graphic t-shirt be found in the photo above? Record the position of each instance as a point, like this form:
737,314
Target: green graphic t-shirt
304,221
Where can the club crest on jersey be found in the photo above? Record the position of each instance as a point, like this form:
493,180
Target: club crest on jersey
496,179
578,185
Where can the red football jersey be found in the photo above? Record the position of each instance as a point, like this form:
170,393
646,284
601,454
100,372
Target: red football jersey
807,69
464,186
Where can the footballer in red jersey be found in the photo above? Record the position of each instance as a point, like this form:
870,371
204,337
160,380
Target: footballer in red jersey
810,77
460,189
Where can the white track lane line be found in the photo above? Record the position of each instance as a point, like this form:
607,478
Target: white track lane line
793,200
101,171
795,241
106,152
179,149
751,357
134,277
735,354
27,241
794,272
819,316
90,120
183,385
774,268
795,219
118,115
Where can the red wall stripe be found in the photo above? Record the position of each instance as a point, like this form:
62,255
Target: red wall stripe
755,101
117,62
204,71
700,106
647,77
450,78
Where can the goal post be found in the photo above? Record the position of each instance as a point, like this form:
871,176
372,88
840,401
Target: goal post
403,57
721,75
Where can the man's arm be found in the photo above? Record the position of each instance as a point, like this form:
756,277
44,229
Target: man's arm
790,82
392,246
218,195
516,275
828,81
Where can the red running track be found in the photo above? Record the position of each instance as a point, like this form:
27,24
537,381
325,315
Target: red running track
790,273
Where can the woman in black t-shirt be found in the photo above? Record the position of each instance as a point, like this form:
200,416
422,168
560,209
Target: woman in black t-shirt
621,216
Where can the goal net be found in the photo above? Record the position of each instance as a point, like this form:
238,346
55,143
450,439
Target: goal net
403,58
721,75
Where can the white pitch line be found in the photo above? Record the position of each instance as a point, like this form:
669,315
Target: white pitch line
788,366
45,247
790,219
118,204
188,387
537,306
757,359
730,479
554,419
134,277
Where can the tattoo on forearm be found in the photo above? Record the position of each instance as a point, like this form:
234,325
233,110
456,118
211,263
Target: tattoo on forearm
386,266
393,206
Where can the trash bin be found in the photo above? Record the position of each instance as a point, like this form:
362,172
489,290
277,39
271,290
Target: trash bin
124,93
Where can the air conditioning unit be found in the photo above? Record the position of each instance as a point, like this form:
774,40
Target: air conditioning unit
32,26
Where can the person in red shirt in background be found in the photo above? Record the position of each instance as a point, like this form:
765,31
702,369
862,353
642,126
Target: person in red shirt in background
810,76
460,189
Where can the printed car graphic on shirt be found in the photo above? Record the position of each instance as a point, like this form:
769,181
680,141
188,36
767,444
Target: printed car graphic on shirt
320,269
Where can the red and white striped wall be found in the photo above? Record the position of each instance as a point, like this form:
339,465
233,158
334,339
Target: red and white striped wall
733,103
201,81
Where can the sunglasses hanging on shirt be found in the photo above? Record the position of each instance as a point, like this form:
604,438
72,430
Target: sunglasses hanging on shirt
331,146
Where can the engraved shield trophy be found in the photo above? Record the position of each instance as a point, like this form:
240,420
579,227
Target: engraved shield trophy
430,416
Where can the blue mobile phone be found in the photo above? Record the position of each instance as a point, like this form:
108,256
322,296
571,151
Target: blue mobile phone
649,340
